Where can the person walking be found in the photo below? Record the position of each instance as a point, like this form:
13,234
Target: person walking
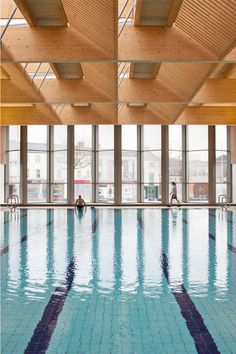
173,194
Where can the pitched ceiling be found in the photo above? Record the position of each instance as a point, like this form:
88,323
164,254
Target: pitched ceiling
109,62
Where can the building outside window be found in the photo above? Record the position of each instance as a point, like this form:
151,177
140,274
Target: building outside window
59,164
175,158
37,183
197,163
141,163
222,156
129,163
151,163
105,158
13,161
83,161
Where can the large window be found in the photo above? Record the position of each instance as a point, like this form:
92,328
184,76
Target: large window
197,163
83,161
129,163
175,158
105,158
59,170
13,161
37,165
151,163
46,162
221,160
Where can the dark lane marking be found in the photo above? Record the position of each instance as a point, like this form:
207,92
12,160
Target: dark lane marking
212,237
140,220
6,249
203,340
228,220
46,326
50,222
230,247
8,221
24,238
95,225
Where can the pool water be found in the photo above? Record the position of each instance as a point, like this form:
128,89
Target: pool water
118,281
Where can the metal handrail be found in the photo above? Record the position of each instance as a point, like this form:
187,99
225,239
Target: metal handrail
8,23
126,19
125,72
61,109
223,201
45,76
120,106
36,71
10,204
123,9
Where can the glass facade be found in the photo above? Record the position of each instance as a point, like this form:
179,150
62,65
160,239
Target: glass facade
176,158
59,164
53,163
37,163
83,161
105,167
197,163
151,158
13,161
222,153
129,163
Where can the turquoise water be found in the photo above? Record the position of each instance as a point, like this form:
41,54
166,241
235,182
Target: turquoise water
118,281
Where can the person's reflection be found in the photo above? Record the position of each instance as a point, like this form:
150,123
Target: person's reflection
80,212
174,213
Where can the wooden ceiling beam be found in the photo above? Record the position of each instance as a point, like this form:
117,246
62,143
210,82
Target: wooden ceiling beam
3,74
137,13
49,44
173,12
217,90
208,115
160,44
37,114
24,9
97,113
55,91
148,90
141,115
191,115
145,90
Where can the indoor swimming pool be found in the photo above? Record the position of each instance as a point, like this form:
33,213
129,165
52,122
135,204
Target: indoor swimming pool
132,281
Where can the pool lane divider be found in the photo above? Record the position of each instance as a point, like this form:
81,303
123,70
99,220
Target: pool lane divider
23,239
203,340
229,246
8,221
6,249
212,237
44,330
228,220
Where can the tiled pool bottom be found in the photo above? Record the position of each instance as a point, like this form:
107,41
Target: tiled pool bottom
118,281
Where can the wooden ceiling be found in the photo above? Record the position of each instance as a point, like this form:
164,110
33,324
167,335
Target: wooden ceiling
118,62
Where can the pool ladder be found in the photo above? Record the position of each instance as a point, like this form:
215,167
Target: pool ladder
12,202
223,201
